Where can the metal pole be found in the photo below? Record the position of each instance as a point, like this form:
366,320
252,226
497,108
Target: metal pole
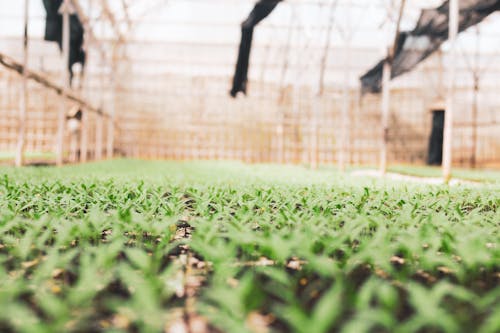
23,101
448,123
65,11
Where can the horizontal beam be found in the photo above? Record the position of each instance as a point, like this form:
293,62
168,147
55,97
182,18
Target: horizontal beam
17,67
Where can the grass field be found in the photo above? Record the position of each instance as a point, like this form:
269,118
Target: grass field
131,246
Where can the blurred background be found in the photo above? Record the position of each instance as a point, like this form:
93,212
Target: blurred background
158,73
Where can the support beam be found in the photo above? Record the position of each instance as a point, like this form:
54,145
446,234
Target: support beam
70,95
475,107
65,10
386,107
99,138
315,114
450,103
110,145
23,101
386,95
346,106
84,137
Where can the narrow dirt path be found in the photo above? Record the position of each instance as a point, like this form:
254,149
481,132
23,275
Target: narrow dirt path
412,179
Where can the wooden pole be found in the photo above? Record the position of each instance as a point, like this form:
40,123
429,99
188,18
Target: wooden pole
346,104
386,98
84,137
23,101
65,10
448,123
475,106
386,95
346,98
99,124
111,122
99,120
40,78
99,138
316,103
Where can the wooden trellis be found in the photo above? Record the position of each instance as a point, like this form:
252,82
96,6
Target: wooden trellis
170,100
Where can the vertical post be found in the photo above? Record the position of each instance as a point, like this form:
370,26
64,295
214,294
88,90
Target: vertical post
347,35
111,120
65,11
386,96
23,101
84,137
99,137
316,102
99,118
475,106
448,123
346,103
84,121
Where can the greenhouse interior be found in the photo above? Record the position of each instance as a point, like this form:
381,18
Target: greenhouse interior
192,166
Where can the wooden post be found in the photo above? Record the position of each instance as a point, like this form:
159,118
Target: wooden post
99,138
386,81
346,104
111,121
475,106
99,120
448,123
84,137
316,102
23,101
65,10
386,95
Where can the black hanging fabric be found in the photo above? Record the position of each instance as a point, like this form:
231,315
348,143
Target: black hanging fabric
53,33
261,10
412,47
435,154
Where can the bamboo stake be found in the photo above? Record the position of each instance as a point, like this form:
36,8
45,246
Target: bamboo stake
386,94
64,92
84,137
346,98
99,120
111,129
23,101
346,103
475,106
386,98
99,138
65,10
448,123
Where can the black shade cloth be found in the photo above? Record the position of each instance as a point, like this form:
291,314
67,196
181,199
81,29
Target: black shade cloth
412,47
435,155
261,10
53,33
